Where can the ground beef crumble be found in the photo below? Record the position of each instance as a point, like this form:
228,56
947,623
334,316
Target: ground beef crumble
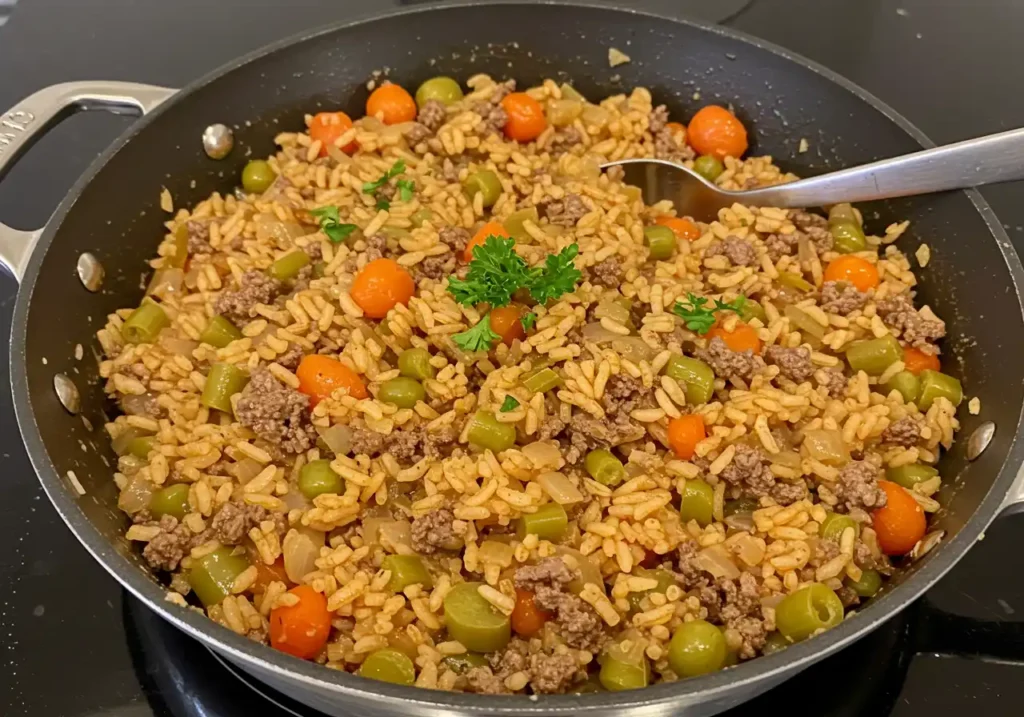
857,486
740,252
749,470
795,364
624,394
435,531
564,212
376,247
276,413
921,332
728,364
173,543
547,673
405,445
565,139
236,518
455,237
905,432
255,288
842,297
835,382
550,572
198,237
587,433
606,273
432,115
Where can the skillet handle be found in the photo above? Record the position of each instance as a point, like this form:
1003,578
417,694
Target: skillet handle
31,118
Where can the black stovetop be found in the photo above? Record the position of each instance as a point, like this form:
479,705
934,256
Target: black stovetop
73,643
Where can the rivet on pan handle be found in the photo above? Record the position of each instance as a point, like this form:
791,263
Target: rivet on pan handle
27,121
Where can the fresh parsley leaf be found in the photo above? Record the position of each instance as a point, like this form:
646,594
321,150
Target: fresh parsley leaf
338,233
328,213
509,404
330,223
558,276
477,338
698,316
528,320
405,189
495,273
383,203
396,169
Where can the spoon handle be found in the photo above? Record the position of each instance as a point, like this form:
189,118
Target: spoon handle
984,160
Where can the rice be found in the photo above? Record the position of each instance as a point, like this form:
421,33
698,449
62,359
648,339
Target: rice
321,495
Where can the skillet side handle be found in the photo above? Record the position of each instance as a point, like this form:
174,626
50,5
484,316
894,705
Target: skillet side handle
31,118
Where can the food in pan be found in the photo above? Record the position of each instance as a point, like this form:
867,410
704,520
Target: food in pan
432,399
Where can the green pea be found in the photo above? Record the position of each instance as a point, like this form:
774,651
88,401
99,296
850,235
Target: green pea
421,216
661,241
443,89
140,447
708,166
220,332
697,377
835,524
257,176
288,266
317,478
223,382
388,665
849,238
486,432
870,583
406,570
696,648
542,380
604,467
415,363
145,323
461,664
213,575
874,355
907,384
935,384
486,183
697,502
172,500
473,621
910,475
402,391
548,523
811,608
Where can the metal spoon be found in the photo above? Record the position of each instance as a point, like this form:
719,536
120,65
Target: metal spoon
971,163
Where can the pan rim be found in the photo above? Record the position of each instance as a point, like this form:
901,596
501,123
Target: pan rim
344,684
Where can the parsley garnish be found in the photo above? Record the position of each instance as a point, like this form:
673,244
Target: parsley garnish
405,186
477,338
497,272
528,320
330,224
700,317
405,189
509,404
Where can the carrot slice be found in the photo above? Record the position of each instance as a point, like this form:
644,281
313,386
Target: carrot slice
392,103
742,338
527,618
684,433
525,117
681,226
301,629
715,130
320,375
901,523
491,228
380,286
506,324
327,127
859,272
915,360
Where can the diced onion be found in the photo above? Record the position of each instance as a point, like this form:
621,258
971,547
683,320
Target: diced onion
595,333
632,348
269,227
175,345
787,459
394,533
493,551
594,115
543,454
245,470
715,559
562,113
559,488
166,282
801,320
744,520
749,549
300,550
136,405
338,438
135,496
826,446
617,311
589,571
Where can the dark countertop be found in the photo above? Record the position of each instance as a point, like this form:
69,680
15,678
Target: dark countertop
950,66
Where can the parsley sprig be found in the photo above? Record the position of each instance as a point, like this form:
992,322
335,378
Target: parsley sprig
497,272
509,404
331,224
699,316
405,186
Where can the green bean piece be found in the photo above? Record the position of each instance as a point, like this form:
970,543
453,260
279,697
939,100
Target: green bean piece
515,223
740,505
907,384
141,446
223,382
795,281
415,363
696,648
752,309
542,380
172,500
849,238
402,391
388,665
180,256
910,475
697,502
212,575
696,376
708,166
835,524
443,89
775,642
421,216
486,432
220,332
811,608
288,266
874,355
257,176
935,384
870,583
473,621
604,467
406,570
548,523
843,214
461,664
617,675
317,477
484,182
665,580
145,323
661,241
